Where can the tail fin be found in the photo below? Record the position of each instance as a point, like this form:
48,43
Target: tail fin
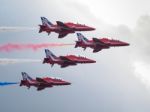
45,22
25,76
50,55
81,38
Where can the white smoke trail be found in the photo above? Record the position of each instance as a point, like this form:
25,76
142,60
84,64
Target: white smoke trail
15,29
6,61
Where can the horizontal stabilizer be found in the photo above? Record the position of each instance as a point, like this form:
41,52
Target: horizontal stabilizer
40,30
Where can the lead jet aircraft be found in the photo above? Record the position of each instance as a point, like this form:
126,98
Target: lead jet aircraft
98,44
41,83
62,28
65,61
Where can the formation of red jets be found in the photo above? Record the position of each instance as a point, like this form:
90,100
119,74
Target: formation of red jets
63,29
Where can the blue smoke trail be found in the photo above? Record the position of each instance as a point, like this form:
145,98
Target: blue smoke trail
7,83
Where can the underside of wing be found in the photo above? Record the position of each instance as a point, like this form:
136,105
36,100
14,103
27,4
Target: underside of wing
39,88
61,35
64,65
97,49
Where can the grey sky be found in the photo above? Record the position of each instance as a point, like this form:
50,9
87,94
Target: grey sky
118,82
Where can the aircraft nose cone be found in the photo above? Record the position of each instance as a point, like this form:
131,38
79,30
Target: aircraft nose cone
68,83
126,44
92,61
91,28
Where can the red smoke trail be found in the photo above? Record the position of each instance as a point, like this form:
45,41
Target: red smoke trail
13,46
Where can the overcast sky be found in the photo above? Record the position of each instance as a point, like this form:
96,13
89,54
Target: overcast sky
118,82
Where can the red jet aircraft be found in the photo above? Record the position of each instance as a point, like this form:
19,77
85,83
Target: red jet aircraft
42,83
62,28
65,61
98,44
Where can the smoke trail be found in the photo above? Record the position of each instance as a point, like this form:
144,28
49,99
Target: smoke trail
7,83
5,61
15,29
12,46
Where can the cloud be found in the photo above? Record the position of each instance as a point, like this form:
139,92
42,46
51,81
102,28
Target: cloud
141,38
140,50
142,71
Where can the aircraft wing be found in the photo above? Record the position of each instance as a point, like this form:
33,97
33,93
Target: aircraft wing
97,41
39,88
40,80
61,35
65,58
97,49
59,23
64,65
99,45
67,61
